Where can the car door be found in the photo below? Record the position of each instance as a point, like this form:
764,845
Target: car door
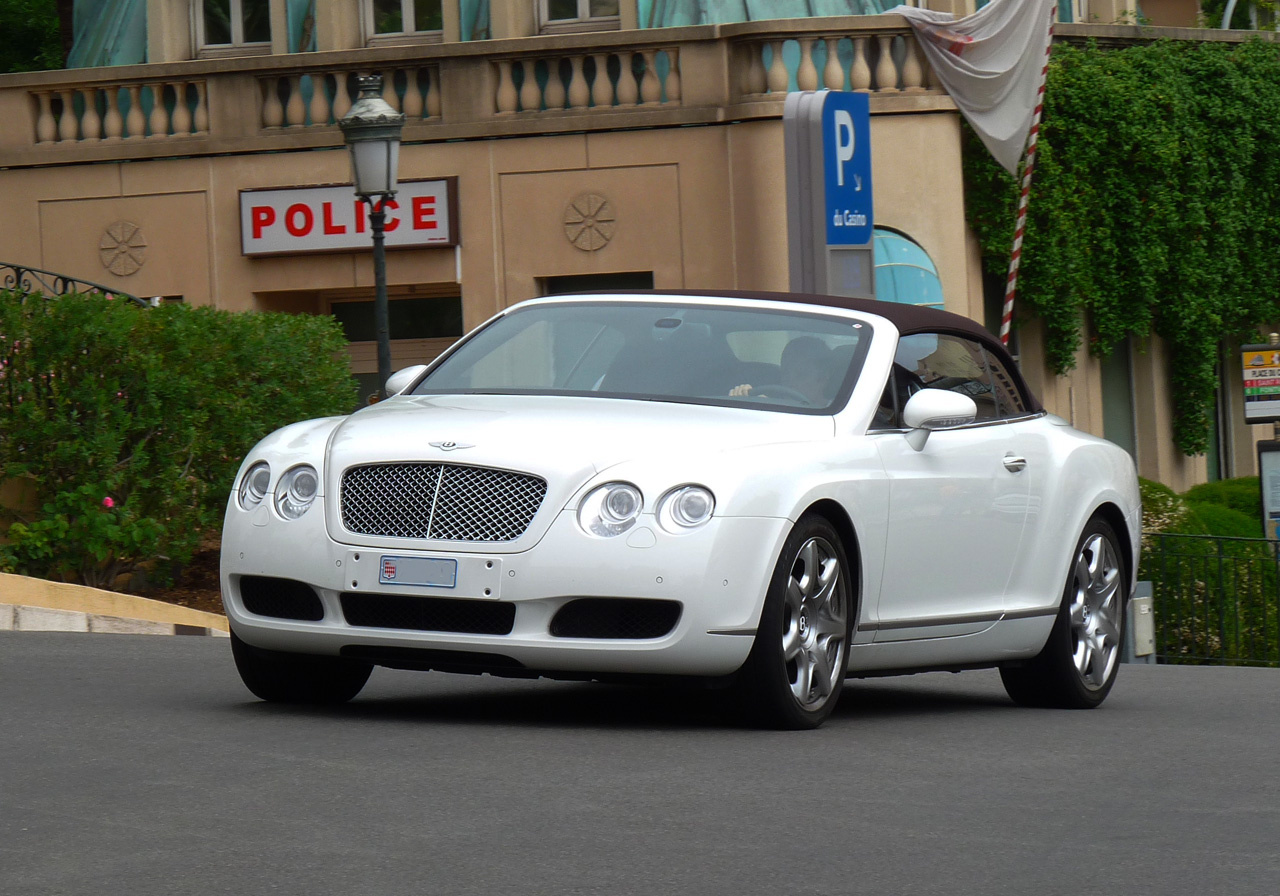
958,507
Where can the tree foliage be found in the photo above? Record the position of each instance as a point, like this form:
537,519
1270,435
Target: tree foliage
1155,207
127,425
31,37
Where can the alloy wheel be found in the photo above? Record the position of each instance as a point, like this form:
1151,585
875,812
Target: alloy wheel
814,623
1094,611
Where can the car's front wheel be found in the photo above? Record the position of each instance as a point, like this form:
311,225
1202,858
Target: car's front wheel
796,669
1079,662
280,677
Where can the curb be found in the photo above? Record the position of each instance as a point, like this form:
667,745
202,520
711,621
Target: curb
37,605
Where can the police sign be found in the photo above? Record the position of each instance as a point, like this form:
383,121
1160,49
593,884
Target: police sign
330,219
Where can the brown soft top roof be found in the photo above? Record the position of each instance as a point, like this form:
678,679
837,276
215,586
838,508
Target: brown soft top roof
907,318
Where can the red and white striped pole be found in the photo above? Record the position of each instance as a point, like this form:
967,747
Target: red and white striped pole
1028,166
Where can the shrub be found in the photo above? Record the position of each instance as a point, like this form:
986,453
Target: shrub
1164,511
129,423
1241,495
1225,522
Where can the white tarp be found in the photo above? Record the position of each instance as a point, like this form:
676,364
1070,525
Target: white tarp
990,63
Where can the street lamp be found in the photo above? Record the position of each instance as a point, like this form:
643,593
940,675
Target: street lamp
372,133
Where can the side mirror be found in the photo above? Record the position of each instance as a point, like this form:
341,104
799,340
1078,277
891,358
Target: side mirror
400,380
931,409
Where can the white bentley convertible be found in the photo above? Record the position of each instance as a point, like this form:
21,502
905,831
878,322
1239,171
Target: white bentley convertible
766,491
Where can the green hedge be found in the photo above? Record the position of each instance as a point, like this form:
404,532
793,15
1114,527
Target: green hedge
128,424
1242,495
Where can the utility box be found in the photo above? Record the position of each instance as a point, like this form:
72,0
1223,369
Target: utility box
1140,641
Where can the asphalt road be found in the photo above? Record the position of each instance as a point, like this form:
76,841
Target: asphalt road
139,765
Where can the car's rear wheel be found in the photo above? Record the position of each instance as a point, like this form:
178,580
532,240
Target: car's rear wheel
1079,662
796,669
280,677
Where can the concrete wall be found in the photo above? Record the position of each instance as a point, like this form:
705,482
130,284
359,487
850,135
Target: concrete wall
700,207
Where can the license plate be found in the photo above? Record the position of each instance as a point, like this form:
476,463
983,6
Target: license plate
431,572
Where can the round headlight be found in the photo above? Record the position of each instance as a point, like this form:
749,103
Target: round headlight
296,491
611,509
685,508
253,487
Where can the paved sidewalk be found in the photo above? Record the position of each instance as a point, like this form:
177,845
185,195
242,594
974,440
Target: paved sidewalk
36,605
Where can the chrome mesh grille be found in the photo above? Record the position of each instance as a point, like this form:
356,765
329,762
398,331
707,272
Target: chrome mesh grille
449,502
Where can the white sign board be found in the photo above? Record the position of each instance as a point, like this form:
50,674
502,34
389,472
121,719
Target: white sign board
331,219
1269,476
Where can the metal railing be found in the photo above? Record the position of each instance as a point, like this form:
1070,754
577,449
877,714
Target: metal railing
24,280
1217,599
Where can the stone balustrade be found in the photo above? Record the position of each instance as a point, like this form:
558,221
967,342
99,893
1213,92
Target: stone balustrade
588,81
878,54
118,112
664,77
320,98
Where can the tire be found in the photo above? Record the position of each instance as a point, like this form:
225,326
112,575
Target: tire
279,677
795,672
1078,665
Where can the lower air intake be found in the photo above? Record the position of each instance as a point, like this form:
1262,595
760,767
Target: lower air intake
429,614
280,598
622,619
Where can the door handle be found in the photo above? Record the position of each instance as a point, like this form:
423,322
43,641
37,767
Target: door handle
1014,463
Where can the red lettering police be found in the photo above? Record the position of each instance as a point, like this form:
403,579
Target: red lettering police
328,219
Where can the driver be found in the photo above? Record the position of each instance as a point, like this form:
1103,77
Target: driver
805,366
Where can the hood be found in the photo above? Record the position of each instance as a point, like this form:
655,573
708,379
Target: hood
553,436
565,440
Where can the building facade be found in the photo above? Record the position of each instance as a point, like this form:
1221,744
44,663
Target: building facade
549,146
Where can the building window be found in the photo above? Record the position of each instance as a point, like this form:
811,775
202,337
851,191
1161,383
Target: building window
397,19
421,328
904,271
578,15
233,25
569,283
410,318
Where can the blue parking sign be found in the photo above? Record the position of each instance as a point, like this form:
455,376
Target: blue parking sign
846,151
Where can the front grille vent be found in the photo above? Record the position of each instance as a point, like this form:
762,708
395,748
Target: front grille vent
428,614
280,598
447,502
626,619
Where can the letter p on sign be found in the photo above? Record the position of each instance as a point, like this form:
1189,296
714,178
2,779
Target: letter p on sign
843,122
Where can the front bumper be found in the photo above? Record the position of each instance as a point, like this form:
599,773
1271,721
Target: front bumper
718,575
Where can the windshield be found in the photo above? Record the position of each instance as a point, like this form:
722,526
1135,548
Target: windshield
697,354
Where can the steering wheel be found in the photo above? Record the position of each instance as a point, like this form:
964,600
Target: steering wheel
777,390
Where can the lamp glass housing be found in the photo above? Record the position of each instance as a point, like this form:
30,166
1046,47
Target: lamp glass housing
373,166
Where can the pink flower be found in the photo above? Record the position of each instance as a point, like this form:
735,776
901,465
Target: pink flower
107,502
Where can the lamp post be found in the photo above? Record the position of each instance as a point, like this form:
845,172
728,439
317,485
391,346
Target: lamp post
371,131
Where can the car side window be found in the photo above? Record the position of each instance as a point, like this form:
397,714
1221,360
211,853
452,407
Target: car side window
902,384
946,361
1011,400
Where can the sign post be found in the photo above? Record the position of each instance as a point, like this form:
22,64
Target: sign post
830,214
1261,366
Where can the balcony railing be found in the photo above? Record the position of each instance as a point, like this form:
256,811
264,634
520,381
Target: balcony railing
663,77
